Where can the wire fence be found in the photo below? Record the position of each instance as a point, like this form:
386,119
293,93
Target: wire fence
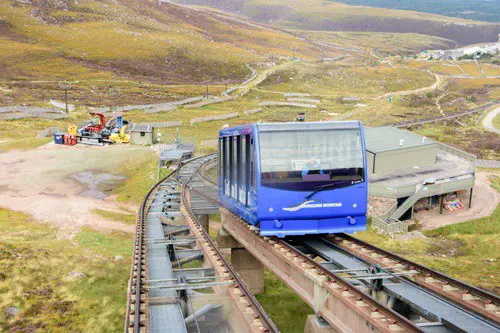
33,115
210,101
161,124
252,111
213,118
48,132
28,109
292,104
209,143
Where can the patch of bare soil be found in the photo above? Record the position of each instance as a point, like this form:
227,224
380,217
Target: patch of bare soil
59,185
484,201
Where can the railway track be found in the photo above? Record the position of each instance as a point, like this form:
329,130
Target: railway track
373,282
155,305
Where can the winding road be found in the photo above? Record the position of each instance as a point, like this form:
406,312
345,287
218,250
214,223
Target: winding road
432,87
488,120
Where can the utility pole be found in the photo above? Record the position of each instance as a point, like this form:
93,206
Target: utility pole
114,93
208,81
65,86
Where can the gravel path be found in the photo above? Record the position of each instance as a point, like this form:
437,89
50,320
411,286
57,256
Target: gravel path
57,185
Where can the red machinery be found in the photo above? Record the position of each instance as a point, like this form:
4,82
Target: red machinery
96,128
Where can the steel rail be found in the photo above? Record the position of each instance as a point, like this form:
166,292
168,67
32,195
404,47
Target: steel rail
136,320
138,270
263,316
474,299
386,319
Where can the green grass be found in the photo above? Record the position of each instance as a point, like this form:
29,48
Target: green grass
486,226
35,266
141,175
23,144
126,218
496,121
495,181
285,308
467,251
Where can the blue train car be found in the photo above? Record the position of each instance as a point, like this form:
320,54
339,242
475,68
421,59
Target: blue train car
295,178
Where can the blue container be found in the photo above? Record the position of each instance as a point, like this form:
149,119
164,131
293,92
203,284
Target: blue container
59,138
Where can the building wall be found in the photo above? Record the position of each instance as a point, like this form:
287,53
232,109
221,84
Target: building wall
137,139
405,158
370,157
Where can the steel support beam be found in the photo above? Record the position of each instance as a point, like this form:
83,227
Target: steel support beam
345,309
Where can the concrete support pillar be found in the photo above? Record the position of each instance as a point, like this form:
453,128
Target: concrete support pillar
249,268
225,240
205,221
317,325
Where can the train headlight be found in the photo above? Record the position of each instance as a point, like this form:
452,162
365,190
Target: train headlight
354,205
271,209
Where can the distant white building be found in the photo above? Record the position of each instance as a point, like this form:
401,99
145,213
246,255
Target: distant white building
475,51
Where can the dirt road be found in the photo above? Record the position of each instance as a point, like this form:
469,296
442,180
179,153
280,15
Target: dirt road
57,184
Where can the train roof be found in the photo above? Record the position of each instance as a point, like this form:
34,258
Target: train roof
301,126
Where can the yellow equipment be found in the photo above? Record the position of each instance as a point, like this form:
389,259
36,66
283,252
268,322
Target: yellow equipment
72,130
120,137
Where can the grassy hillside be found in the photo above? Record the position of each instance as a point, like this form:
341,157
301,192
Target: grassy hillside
58,285
383,42
480,10
140,40
333,16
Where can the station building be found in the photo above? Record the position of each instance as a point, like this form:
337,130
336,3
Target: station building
418,173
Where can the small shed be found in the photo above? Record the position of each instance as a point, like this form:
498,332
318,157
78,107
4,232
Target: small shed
390,148
141,134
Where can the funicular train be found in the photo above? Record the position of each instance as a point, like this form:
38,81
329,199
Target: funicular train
295,178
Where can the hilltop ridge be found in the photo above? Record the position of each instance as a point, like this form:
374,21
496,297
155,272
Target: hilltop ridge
332,16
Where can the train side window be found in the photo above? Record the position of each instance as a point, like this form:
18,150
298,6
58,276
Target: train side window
227,179
234,179
221,160
247,167
252,164
243,166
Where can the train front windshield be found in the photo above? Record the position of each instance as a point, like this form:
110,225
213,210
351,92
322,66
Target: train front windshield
312,159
